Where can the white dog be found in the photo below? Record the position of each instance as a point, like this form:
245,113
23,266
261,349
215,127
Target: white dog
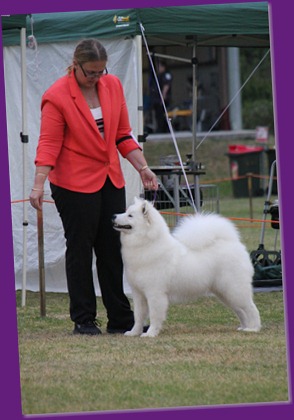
203,255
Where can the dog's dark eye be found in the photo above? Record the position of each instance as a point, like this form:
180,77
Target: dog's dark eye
130,215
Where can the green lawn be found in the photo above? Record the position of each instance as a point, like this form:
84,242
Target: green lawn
199,359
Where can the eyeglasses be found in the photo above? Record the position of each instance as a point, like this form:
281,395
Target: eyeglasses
93,74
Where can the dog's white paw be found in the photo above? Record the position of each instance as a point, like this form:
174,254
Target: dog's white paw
257,329
149,334
132,333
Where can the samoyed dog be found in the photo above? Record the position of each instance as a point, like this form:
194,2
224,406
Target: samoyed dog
202,255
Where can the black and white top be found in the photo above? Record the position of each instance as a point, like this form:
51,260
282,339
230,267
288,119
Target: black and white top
98,117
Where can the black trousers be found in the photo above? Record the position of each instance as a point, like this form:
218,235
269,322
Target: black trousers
87,227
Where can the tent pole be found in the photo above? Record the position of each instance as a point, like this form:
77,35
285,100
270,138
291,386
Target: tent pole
24,139
140,89
194,103
194,127
140,111
234,86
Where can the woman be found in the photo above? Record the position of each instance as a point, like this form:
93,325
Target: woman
84,124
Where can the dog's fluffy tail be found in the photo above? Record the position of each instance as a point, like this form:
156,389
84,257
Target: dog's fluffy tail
202,230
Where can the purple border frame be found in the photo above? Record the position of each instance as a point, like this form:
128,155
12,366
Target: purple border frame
283,71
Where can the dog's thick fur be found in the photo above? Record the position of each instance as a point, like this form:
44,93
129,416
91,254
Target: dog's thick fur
203,255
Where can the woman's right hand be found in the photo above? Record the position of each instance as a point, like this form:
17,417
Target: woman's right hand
36,198
37,193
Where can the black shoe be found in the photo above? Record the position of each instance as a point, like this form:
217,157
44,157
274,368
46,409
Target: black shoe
88,327
124,330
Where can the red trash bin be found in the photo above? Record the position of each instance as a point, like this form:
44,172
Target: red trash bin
245,159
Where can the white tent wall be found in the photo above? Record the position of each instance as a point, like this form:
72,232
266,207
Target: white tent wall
45,64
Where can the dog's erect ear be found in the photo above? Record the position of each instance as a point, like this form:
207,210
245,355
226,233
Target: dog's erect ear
147,211
145,207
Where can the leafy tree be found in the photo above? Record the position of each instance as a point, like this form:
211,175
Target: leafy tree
257,98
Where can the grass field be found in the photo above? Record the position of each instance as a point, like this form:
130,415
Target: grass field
199,359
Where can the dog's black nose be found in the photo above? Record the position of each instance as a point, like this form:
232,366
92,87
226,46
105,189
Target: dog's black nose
113,218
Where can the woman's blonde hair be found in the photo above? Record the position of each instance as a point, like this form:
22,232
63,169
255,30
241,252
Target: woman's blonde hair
88,50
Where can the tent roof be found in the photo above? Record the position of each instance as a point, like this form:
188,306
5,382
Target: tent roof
244,24
11,25
10,22
223,25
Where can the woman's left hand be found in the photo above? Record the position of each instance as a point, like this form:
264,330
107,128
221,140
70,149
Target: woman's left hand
149,179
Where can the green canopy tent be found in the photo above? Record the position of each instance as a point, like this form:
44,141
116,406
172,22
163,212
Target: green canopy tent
12,24
239,25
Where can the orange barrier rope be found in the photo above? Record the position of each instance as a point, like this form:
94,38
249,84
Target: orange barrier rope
27,199
19,201
254,220
214,181
249,175
251,226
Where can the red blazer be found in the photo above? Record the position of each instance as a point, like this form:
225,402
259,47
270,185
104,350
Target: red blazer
70,141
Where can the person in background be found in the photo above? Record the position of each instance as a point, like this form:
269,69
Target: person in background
165,82
84,124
